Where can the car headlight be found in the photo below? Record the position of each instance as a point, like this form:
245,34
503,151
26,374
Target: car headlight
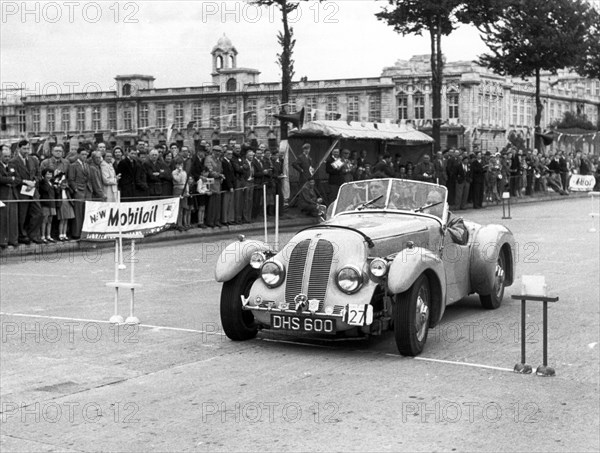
349,279
257,259
272,273
378,267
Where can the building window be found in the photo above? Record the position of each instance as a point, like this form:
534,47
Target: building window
96,120
331,108
271,108
452,99
250,115
419,101
66,119
515,113
144,115
310,107
179,116
597,88
521,112
375,107
51,119
485,118
197,114
126,91
232,110
36,119
112,118
22,120
529,113
291,107
231,85
161,116
80,119
215,113
353,108
402,107
127,123
219,62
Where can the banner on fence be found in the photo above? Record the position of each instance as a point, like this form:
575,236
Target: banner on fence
104,220
581,183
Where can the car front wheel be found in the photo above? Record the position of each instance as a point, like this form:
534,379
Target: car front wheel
493,300
411,317
238,324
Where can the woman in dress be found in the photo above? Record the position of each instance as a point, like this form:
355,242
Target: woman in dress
181,190
48,202
65,211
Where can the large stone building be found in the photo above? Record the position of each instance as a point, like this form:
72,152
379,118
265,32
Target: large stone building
478,106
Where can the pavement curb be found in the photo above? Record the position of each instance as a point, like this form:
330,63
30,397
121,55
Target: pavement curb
72,247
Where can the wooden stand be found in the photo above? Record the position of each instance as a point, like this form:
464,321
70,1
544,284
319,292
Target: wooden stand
523,367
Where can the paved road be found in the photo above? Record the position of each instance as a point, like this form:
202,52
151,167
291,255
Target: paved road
71,382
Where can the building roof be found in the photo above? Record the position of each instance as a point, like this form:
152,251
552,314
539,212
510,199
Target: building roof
225,44
134,76
357,130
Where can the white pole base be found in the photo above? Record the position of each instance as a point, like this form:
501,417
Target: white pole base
593,230
122,266
116,319
132,320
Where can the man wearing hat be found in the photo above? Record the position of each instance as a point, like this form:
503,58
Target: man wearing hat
213,164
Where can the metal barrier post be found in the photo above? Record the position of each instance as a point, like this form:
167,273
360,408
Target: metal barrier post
523,367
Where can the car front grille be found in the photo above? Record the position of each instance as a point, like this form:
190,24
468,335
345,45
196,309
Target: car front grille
318,277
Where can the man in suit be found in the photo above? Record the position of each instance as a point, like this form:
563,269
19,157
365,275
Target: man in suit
96,177
463,183
126,170
425,170
228,187
214,165
248,184
153,171
9,214
383,168
452,165
238,195
57,163
259,180
336,169
304,166
30,209
439,168
478,180
80,183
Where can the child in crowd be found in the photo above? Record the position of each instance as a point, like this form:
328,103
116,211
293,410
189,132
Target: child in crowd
65,211
47,199
204,191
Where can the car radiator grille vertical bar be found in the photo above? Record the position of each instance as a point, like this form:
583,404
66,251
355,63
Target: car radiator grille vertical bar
295,272
319,272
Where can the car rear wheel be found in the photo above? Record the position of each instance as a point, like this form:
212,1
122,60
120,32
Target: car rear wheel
238,324
494,300
411,317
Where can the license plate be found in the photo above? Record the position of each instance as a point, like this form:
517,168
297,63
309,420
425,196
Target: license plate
302,324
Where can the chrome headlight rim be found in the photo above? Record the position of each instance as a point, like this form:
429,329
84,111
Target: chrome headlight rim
257,259
280,275
359,277
379,273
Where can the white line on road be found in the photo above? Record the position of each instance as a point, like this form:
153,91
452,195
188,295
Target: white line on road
149,326
475,365
16,274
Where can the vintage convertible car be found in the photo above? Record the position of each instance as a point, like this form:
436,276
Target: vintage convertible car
389,255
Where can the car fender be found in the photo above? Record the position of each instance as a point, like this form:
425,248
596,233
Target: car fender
408,265
235,257
489,240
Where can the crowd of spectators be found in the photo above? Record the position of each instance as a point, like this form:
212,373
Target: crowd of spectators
45,195
471,178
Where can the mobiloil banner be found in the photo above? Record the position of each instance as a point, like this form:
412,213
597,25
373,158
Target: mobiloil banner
105,220
581,183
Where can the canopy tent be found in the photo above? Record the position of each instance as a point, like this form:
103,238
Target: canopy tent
375,138
363,131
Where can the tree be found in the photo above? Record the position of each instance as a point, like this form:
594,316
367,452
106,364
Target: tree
531,36
589,61
284,59
572,120
438,18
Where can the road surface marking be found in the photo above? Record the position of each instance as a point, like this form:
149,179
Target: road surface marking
149,326
475,365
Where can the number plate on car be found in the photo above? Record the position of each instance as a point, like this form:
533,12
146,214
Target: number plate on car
359,315
302,324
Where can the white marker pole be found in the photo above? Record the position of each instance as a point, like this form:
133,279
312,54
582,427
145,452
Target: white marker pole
265,212
120,239
132,319
277,222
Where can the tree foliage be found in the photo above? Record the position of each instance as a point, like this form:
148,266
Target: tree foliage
588,64
438,18
285,61
572,120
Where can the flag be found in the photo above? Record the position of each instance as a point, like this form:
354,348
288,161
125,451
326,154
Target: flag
170,132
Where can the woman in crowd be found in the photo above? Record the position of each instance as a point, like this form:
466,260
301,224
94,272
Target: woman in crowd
181,190
65,211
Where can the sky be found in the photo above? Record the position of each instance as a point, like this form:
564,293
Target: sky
51,46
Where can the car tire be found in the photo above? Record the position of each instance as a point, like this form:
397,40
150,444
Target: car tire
238,324
494,300
411,317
